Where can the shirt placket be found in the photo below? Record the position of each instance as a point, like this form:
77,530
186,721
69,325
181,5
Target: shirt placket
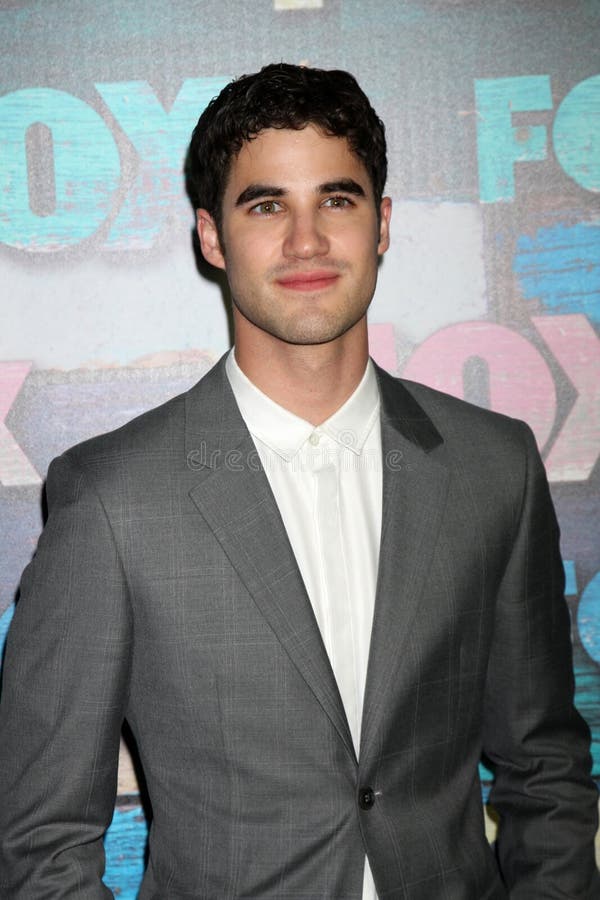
338,636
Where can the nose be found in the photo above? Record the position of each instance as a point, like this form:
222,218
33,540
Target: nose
305,237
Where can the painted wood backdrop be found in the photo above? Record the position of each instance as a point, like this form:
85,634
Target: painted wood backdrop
491,289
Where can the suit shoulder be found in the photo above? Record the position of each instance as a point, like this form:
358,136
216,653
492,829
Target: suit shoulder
150,429
454,415
156,433
494,454
473,439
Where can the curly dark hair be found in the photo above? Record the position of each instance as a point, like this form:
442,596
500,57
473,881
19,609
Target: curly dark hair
281,96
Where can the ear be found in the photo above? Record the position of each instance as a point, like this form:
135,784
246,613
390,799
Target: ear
385,215
209,239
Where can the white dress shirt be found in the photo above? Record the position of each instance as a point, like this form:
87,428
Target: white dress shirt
327,482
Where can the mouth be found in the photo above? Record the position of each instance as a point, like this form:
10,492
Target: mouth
316,280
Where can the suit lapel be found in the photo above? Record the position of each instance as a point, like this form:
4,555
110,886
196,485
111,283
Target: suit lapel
415,485
233,495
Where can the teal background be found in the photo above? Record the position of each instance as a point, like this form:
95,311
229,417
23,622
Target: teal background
492,112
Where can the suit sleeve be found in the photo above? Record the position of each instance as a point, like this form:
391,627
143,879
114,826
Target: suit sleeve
539,744
63,699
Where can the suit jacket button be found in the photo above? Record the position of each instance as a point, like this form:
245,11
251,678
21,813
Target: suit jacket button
366,798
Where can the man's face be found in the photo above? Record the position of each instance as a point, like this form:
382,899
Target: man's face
301,237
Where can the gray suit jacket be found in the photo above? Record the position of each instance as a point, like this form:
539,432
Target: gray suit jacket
165,590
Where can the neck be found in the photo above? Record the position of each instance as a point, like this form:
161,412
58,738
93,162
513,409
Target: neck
312,381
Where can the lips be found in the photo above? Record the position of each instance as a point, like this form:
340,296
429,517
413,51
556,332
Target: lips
315,280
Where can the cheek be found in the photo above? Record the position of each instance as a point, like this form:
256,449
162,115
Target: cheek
363,256
359,242
246,271
251,253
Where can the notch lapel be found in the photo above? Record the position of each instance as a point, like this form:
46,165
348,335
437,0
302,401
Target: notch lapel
234,497
415,487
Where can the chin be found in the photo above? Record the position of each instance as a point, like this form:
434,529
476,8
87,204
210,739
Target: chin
318,330
308,336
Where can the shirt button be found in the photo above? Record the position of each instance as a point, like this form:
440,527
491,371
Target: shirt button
314,439
366,798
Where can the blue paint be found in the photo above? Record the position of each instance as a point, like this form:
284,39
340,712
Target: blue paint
570,578
486,776
160,139
576,133
499,144
560,266
588,619
5,620
587,691
87,164
124,845
86,169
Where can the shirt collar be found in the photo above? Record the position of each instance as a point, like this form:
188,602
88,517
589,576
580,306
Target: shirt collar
285,433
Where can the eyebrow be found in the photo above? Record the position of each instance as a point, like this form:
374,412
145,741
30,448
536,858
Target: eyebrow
342,185
254,191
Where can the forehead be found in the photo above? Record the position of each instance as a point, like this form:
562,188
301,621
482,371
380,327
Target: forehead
287,158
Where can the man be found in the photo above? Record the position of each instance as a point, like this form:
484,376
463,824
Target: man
316,593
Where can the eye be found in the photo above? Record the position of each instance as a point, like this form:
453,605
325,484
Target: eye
338,202
266,208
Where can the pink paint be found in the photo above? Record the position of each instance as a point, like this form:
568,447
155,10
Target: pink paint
574,343
15,468
382,346
520,382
